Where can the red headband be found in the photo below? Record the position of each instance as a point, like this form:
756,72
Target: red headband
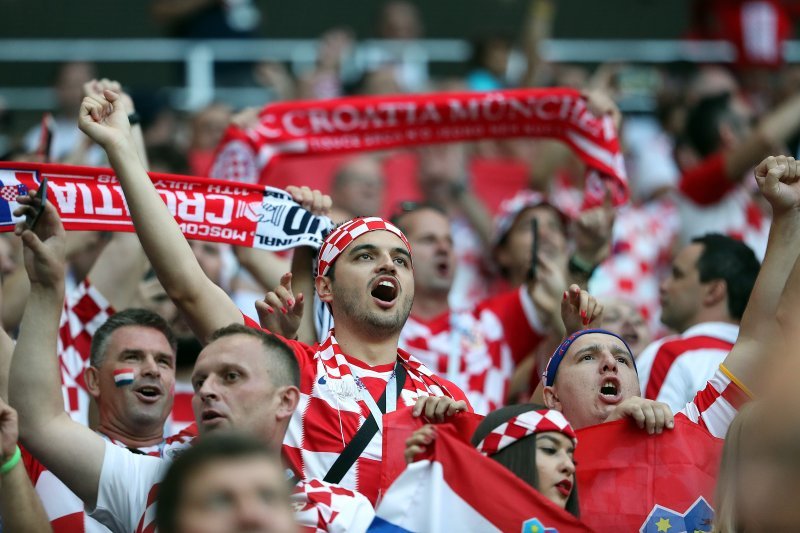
341,237
523,425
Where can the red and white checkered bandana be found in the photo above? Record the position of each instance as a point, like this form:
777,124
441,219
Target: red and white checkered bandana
341,237
510,208
523,425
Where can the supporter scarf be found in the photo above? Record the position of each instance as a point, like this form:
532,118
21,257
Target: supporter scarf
91,199
290,129
341,381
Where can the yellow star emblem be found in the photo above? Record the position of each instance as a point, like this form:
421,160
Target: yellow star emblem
534,528
663,524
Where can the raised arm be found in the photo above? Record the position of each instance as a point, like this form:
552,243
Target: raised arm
777,178
205,305
20,507
73,452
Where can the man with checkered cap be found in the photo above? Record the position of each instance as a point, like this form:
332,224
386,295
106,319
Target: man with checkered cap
346,382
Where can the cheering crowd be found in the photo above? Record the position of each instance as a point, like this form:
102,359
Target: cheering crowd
470,307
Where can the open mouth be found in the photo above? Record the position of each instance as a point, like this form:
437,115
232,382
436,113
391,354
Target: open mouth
385,290
148,393
609,388
443,269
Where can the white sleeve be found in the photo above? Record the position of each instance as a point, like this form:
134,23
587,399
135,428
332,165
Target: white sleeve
644,364
126,479
677,389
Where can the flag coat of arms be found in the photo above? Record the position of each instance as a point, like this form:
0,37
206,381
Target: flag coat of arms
12,184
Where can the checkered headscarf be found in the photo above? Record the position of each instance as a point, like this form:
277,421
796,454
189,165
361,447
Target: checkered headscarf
522,426
510,208
341,237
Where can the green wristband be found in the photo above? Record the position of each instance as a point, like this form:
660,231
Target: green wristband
11,463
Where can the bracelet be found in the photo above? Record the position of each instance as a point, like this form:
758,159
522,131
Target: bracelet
11,463
134,118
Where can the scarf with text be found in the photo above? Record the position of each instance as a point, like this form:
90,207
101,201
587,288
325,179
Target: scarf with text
354,124
91,199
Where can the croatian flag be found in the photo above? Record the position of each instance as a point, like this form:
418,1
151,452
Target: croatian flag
459,489
11,185
123,376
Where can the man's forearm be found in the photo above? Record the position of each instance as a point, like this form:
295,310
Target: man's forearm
21,509
782,252
35,383
204,304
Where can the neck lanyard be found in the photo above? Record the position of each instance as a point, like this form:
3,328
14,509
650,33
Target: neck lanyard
391,398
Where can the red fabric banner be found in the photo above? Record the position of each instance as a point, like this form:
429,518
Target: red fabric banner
303,128
626,478
91,199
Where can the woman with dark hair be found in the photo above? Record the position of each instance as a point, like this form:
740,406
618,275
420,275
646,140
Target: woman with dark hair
534,443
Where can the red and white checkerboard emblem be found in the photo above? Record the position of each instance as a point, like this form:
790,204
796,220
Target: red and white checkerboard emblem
523,425
341,237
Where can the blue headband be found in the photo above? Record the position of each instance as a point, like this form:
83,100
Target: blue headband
549,375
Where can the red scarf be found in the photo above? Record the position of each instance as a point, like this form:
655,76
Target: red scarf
291,129
91,199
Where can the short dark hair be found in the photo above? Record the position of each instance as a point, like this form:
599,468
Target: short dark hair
284,369
703,121
230,446
408,207
730,260
519,457
128,317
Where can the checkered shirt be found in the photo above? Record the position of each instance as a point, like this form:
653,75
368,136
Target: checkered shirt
331,411
321,507
489,341
85,310
643,242
714,407
523,425
341,237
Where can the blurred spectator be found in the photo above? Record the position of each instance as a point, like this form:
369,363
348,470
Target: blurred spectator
68,85
358,187
224,484
207,127
621,316
490,57
212,19
703,299
400,19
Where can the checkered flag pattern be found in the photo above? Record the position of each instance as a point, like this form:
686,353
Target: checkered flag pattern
524,425
9,193
85,310
341,237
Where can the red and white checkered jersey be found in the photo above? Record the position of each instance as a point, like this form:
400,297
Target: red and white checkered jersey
331,409
321,507
85,310
478,349
673,369
64,509
128,493
644,236
715,406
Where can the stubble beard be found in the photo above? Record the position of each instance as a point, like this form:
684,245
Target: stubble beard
386,323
